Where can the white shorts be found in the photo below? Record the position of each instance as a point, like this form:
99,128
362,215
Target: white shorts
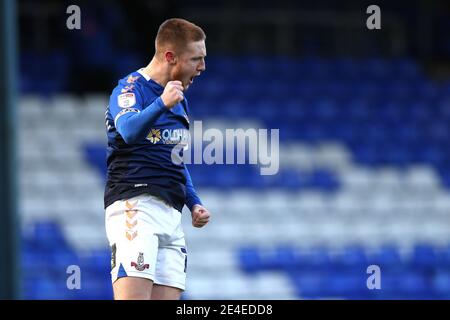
147,241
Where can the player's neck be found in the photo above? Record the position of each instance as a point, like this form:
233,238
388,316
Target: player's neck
157,72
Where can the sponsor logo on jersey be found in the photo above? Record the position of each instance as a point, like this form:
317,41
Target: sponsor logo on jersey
140,266
126,100
169,136
154,136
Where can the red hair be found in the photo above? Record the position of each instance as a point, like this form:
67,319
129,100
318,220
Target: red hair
175,34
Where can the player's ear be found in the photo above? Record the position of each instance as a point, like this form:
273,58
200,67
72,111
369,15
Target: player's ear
170,57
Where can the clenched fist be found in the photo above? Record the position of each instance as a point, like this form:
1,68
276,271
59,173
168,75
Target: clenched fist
200,216
173,93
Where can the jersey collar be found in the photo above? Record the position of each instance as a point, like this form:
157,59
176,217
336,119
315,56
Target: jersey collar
141,72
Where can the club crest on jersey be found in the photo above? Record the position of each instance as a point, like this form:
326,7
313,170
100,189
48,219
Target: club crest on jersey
126,100
154,136
140,266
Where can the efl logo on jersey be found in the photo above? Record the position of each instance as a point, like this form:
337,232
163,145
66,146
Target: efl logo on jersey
126,100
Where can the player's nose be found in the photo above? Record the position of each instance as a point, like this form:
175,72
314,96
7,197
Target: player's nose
202,66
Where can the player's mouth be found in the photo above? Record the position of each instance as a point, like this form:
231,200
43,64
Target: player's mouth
191,80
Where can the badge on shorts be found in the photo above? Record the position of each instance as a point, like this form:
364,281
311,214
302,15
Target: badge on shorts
126,100
140,266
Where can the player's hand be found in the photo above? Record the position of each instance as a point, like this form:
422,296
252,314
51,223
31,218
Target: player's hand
173,93
200,216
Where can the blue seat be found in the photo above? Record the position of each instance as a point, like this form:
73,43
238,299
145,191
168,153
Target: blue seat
414,285
324,180
323,109
317,259
445,176
48,236
267,110
441,284
432,154
283,258
346,68
407,69
287,179
439,131
443,257
351,258
309,285
357,110
367,154
39,289
250,260
346,286
424,257
295,109
376,68
420,110
94,287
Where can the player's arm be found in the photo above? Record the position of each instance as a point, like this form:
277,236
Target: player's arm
200,215
132,121
191,195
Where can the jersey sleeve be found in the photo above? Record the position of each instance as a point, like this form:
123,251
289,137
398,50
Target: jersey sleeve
131,118
123,101
191,195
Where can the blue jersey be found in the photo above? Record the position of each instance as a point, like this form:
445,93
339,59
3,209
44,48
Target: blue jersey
142,133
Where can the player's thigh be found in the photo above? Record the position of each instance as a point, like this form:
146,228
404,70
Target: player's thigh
132,288
160,292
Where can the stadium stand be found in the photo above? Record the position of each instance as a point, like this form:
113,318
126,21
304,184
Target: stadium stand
364,180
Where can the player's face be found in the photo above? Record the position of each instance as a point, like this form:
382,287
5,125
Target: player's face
191,63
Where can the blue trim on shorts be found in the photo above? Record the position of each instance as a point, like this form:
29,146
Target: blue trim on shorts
121,272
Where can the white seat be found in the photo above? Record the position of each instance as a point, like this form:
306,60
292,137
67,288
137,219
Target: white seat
243,202
348,203
388,179
361,179
311,202
422,178
276,202
271,286
333,156
300,156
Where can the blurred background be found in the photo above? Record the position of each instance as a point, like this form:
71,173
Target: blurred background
364,164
